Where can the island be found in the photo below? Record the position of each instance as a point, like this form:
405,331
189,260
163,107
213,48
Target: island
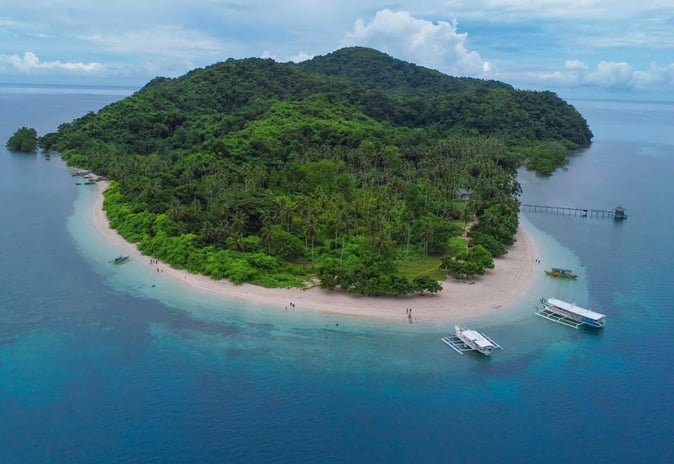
24,140
353,171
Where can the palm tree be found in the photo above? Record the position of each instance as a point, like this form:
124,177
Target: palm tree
267,237
238,222
381,242
310,233
235,241
286,207
427,233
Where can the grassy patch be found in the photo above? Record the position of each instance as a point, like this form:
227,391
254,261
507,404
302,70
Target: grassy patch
414,266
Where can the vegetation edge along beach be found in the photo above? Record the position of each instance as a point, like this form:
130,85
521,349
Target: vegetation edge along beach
351,171
459,300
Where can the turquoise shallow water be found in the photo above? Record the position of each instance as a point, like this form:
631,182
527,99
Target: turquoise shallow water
98,366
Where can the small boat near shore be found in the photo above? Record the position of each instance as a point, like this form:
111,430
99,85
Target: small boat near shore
465,339
79,172
569,314
561,273
120,260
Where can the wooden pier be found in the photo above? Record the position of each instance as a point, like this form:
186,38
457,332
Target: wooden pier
618,213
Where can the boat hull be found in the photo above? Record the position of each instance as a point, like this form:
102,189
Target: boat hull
573,314
560,275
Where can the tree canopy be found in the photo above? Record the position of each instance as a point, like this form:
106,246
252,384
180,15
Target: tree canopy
341,171
24,140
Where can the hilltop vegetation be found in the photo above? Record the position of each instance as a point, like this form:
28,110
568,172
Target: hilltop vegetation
338,171
377,71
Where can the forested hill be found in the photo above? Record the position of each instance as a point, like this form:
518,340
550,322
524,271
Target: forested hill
420,97
279,174
376,70
212,105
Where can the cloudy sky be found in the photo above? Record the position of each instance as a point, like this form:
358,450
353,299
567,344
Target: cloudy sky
568,46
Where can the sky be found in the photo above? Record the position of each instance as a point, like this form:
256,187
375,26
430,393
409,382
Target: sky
572,47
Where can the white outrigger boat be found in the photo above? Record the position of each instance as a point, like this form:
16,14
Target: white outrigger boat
470,340
569,314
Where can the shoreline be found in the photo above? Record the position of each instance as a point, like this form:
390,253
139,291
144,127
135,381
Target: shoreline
498,288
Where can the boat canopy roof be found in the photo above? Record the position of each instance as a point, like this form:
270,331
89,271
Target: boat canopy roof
477,338
563,271
572,308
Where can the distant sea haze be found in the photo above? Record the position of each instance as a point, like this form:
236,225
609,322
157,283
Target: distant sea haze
24,88
96,365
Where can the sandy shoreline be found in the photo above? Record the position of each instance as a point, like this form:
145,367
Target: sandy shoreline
458,301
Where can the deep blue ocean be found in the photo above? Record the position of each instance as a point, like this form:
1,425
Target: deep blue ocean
99,366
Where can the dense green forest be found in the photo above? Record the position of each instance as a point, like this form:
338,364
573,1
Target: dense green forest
342,171
24,140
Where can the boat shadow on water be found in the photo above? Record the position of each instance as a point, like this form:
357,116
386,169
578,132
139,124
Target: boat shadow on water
120,260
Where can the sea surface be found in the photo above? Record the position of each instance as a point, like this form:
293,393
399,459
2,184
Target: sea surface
112,364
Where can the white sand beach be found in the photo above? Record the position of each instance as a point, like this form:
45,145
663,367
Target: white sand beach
458,300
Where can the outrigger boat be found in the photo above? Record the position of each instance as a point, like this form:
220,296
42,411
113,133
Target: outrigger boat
561,273
119,260
569,314
470,340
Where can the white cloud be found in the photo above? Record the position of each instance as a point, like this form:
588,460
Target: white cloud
510,10
655,77
29,62
298,58
575,65
610,74
161,40
301,56
607,75
435,45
